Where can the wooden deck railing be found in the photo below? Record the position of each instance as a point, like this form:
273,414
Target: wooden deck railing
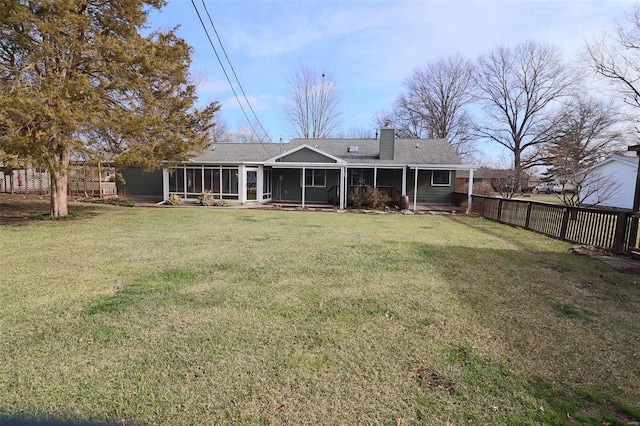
608,229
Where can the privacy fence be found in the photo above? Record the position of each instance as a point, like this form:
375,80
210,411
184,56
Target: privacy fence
609,229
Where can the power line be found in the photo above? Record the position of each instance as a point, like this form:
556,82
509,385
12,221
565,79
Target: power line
232,69
225,73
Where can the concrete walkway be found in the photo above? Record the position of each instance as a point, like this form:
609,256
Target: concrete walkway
623,264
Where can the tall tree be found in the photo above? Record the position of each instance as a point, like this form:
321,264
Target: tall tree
587,133
78,80
616,56
434,104
518,88
312,109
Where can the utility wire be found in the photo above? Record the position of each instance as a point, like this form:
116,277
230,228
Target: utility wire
224,70
233,70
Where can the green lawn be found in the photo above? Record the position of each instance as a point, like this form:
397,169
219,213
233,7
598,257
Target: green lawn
189,316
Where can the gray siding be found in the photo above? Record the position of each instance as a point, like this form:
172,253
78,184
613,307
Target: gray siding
306,156
138,182
430,194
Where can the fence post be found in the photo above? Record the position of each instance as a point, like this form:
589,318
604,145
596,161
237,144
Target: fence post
499,217
620,234
528,218
565,224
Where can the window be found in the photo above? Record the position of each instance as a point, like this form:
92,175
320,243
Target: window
440,178
266,184
194,181
190,181
212,180
315,178
230,181
176,180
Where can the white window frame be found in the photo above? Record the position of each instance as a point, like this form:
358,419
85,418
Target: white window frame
312,184
433,172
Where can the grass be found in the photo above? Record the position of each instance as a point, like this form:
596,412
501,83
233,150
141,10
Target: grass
214,316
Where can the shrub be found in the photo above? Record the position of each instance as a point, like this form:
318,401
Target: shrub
174,200
365,196
221,203
207,198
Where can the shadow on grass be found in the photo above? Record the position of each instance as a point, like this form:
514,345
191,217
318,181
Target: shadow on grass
15,211
542,309
32,421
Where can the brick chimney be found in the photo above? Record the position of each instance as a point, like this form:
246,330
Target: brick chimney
387,143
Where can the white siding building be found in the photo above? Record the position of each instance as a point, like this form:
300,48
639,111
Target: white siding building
622,170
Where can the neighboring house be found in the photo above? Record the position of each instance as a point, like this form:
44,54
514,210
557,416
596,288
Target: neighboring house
614,182
310,171
480,176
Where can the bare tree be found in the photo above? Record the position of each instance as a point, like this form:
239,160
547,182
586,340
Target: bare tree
221,133
587,134
360,133
312,108
434,105
518,88
617,57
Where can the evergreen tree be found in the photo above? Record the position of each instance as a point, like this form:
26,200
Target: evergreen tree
79,80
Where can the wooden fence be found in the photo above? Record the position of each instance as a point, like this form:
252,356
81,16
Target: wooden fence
608,229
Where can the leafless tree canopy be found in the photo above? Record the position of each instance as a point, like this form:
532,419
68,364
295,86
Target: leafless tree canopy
586,135
518,88
247,134
434,103
312,109
617,57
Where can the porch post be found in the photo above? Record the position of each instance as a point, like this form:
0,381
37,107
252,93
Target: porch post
341,187
415,191
304,184
470,191
259,184
404,180
242,184
184,173
633,236
165,184
375,176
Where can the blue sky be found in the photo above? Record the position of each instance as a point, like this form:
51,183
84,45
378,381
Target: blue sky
369,47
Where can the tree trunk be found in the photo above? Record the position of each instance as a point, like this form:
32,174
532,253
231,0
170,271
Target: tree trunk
59,194
59,170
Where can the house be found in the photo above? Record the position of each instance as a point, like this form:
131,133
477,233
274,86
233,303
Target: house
612,182
310,171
